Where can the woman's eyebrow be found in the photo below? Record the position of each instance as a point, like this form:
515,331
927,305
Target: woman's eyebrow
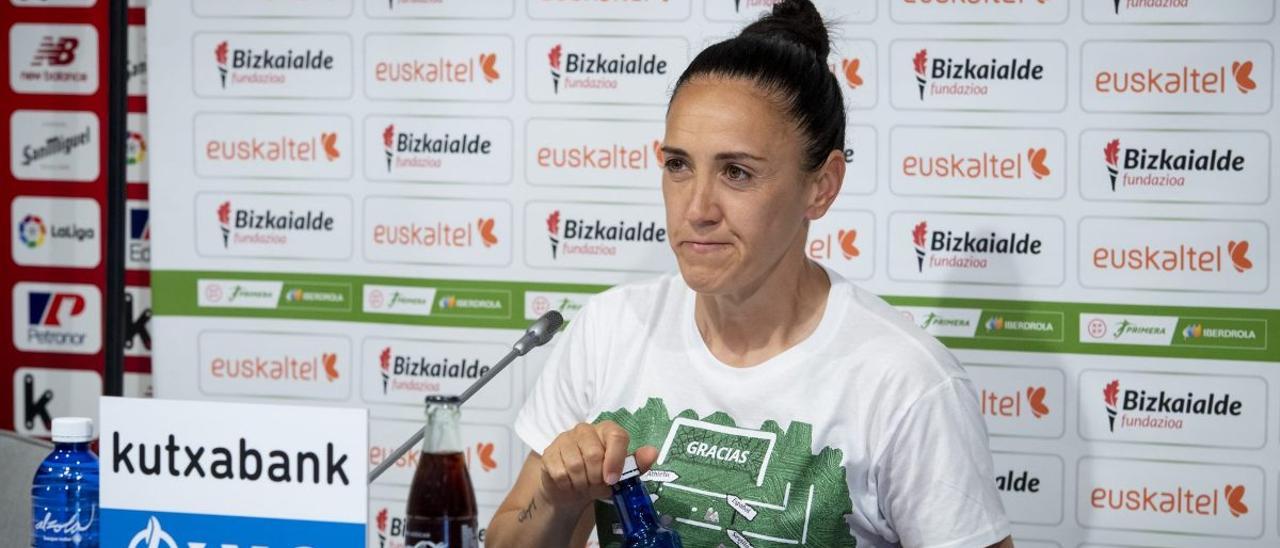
724,156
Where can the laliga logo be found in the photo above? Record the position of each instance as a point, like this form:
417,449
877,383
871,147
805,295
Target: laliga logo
135,149
31,231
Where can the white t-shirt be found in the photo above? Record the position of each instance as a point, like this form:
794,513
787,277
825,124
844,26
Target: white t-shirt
868,429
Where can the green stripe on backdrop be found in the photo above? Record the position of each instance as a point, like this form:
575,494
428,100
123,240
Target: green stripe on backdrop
1058,331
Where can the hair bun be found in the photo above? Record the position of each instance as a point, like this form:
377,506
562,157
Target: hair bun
796,21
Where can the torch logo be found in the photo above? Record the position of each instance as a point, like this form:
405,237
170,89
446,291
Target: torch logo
553,229
382,528
384,360
220,54
554,58
1112,152
388,135
917,237
224,221
919,61
1109,395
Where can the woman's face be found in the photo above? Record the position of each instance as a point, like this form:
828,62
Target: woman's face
736,192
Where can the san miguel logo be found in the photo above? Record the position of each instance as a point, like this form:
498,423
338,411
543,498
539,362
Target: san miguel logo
425,150
266,66
596,237
599,70
419,373
1158,410
966,250
1162,167
967,76
265,226
56,145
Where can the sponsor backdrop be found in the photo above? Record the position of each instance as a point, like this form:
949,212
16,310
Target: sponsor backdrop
362,202
53,127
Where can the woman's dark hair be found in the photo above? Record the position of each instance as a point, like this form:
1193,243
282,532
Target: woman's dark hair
785,54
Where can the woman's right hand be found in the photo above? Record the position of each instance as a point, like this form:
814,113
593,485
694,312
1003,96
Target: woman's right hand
580,464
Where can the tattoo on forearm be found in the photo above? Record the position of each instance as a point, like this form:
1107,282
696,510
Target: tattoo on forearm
527,513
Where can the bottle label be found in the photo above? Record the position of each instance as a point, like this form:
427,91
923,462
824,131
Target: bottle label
75,528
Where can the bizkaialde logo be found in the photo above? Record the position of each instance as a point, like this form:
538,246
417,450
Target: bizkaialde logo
593,152
272,65
437,231
596,230
58,318
1024,250
273,225
1177,76
1157,254
426,67
56,59
603,236
406,371
58,232
466,150
275,364
1194,166
305,146
603,70
1199,499
1177,11
980,75
1001,163
1181,409
54,145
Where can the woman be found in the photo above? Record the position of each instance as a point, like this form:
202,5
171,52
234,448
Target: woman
755,374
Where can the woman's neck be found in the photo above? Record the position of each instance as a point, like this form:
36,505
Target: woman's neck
748,327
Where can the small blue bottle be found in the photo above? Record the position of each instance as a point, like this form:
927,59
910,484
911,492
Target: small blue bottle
640,526
64,494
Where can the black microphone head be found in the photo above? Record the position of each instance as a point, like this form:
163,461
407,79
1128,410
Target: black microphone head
553,322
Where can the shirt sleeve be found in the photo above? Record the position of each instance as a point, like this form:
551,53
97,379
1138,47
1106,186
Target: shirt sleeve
563,394
934,479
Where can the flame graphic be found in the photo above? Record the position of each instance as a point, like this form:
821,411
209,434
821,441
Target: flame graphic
1110,392
330,143
848,239
1035,395
485,452
382,521
487,62
919,60
1243,74
1238,251
919,233
385,358
554,57
851,72
388,135
330,366
1112,150
486,232
657,152
220,52
224,213
1036,156
553,222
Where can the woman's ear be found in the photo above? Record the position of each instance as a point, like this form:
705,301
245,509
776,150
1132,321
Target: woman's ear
826,183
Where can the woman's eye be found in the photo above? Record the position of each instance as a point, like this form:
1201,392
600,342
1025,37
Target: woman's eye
675,164
735,173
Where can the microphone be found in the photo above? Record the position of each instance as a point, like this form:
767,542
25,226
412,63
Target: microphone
536,335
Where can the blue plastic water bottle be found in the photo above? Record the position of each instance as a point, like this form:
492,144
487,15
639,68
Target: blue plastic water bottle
64,495
640,526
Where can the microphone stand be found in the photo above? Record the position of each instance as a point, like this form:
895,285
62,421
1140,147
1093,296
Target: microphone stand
537,335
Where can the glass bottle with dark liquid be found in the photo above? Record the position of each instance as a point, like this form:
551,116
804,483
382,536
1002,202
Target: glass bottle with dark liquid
442,504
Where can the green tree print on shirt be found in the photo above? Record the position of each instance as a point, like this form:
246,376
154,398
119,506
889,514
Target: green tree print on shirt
721,485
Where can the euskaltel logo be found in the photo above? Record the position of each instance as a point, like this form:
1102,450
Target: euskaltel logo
266,66
1180,500
596,236
987,165
1185,257
968,76
275,149
848,69
1185,79
1148,4
739,4
330,362
253,226
594,155
1035,397
848,243
966,250
426,150
596,70
1162,167
408,372
1158,410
